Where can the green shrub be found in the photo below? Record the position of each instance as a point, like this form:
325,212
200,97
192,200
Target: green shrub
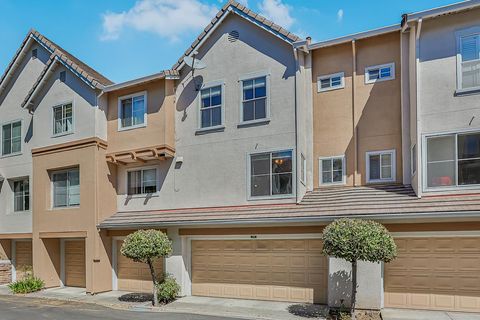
26,285
168,289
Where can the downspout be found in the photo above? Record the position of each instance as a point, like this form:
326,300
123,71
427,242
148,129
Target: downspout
297,68
354,123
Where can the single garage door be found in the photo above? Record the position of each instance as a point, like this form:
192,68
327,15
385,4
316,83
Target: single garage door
134,276
75,263
435,273
23,258
279,270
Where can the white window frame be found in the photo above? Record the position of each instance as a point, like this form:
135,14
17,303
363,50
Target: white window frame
145,109
331,87
459,35
12,154
143,195
320,168
62,105
392,153
249,175
23,194
456,186
209,85
390,65
52,188
251,76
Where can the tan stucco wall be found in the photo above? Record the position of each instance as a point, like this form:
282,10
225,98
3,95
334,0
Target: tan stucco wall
97,201
377,106
160,127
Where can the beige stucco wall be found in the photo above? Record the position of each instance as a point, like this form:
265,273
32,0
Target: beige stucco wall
377,106
97,200
160,126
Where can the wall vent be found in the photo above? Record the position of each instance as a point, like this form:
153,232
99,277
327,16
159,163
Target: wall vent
233,35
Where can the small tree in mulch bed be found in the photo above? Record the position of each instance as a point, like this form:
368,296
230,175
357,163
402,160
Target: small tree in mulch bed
146,246
358,240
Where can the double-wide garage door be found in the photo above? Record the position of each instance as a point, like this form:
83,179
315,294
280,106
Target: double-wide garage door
281,270
135,276
435,273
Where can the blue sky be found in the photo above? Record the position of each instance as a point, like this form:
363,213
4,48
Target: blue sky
125,39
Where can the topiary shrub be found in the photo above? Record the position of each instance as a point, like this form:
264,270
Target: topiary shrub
354,240
146,246
168,289
26,285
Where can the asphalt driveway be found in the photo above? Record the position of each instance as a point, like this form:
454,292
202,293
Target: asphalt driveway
15,307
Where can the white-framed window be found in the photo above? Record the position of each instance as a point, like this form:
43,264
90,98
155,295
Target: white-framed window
211,107
332,170
132,111
142,181
303,169
381,166
468,59
63,119
331,82
453,160
66,188
11,138
380,73
21,195
271,174
255,100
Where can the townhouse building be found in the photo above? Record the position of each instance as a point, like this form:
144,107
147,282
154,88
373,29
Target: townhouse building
243,152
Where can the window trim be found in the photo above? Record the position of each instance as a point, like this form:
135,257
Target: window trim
142,168
55,135
394,166
120,114
425,137
51,174
13,154
251,76
330,76
249,169
29,194
475,30
380,66
209,85
320,171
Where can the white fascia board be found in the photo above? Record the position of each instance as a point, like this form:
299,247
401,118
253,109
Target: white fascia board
134,82
452,8
355,36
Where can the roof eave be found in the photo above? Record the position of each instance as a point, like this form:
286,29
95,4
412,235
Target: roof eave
355,36
157,76
318,219
452,8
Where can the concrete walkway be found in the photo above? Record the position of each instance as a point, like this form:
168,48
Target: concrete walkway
405,314
233,308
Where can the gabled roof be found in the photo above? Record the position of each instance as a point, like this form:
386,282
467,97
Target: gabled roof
164,74
88,74
235,7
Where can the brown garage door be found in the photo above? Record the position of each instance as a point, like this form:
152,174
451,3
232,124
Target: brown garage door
134,276
435,273
23,258
75,263
280,270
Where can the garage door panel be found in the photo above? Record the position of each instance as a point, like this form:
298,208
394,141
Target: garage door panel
135,276
284,270
445,276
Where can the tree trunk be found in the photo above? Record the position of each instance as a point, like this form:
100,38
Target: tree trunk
154,280
354,288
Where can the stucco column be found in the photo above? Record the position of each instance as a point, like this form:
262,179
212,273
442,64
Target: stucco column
176,264
370,284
